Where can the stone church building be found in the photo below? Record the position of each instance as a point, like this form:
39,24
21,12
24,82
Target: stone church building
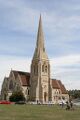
36,85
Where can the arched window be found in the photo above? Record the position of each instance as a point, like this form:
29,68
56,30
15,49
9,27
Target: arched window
59,92
42,68
46,68
28,91
11,85
34,70
18,87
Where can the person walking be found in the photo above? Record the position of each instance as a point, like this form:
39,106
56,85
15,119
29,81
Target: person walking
67,105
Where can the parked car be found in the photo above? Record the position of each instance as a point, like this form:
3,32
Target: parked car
5,102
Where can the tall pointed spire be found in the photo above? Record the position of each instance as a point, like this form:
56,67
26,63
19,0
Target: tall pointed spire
40,36
40,49
40,70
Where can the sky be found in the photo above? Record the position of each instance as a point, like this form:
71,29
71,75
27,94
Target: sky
61,25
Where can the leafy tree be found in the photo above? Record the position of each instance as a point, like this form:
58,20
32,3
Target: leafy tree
17,96
74,93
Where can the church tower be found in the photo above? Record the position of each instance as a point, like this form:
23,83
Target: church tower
40,70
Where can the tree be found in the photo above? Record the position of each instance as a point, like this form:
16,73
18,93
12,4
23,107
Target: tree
17,96
74,93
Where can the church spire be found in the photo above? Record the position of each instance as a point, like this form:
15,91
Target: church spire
40,49
40,70
40,36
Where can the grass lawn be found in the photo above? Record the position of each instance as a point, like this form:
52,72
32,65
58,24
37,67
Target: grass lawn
37,112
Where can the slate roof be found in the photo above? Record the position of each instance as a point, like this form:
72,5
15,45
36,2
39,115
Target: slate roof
24,77
63,89
25,80
57,84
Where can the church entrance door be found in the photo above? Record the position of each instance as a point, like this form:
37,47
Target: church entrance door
45,95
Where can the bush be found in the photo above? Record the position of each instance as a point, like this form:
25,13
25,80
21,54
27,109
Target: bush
17,96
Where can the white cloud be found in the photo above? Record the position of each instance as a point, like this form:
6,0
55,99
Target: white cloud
18,16
66,60
16,63
67,69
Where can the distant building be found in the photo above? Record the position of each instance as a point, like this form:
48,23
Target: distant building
36,85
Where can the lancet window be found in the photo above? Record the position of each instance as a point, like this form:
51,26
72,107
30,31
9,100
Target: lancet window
11,85
44,68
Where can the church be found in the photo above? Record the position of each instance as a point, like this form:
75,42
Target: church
36,85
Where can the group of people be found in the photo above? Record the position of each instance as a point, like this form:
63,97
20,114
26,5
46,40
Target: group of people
69,105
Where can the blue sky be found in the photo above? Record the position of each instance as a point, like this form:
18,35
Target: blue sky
61,25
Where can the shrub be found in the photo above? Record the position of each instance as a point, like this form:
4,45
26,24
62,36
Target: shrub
17,96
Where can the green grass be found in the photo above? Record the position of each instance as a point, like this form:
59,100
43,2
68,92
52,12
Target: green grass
37,112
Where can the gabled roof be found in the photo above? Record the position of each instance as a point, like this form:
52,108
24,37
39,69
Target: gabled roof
25,77
57,84
63,89
6,79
